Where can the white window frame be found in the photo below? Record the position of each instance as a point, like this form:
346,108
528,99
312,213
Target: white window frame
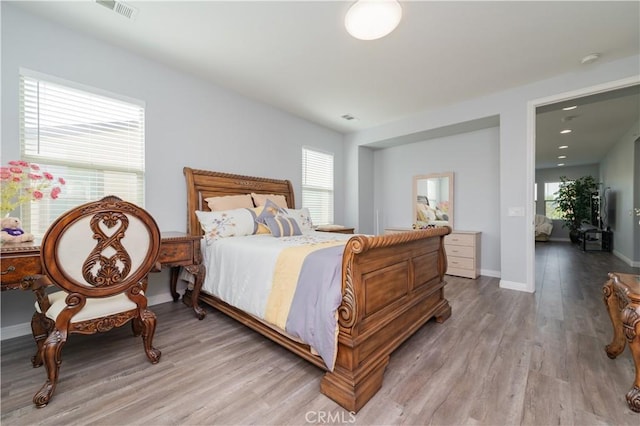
318,184
99,171
550,203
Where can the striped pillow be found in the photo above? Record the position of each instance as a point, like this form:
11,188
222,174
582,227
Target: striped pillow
282,226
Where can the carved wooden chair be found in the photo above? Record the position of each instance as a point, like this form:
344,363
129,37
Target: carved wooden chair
100,255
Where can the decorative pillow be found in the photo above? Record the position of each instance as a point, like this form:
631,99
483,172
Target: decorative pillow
283,226
270,209
262,228
426,213
228,223
229,202
261,199
303,217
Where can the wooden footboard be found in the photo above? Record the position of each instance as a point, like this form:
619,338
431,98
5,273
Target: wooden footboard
391,286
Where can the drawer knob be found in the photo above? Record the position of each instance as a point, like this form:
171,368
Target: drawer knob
11,268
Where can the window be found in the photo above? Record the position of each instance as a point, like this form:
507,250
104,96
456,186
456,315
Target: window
317,185
95,142
550,205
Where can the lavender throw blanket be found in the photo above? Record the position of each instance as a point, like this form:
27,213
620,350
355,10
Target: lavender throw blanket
318,295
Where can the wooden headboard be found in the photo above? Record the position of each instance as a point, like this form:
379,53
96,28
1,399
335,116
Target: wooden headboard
203,184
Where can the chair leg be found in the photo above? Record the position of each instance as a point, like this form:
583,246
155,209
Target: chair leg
148,320
51,355
41,326
137,326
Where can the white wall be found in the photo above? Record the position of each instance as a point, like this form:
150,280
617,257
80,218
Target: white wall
366,175
473,158
516,109
617,172
189,122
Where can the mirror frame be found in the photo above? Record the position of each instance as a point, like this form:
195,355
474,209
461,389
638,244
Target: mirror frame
433,176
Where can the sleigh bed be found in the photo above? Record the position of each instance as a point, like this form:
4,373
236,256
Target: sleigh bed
390,286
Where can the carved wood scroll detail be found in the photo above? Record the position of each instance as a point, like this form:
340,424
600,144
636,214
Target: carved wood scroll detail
347,312
630,320
104,323
113,269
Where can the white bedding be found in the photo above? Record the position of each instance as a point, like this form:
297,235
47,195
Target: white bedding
239,270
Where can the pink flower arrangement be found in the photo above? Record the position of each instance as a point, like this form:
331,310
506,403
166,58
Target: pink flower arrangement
22,182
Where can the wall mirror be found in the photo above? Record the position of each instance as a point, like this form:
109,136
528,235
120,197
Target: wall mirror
433,199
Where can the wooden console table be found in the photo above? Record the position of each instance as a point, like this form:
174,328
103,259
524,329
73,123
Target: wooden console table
622,297
22,260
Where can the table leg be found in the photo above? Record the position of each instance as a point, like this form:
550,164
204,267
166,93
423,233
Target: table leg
616,346
173,282
198,271
631,320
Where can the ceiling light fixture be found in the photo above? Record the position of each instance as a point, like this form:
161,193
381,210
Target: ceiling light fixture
372,19
589,59
563,147
561,157
560,164
565,131
569,108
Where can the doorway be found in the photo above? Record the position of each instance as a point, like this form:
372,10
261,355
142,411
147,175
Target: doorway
541,154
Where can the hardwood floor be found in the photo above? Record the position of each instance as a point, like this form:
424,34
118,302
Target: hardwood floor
503,358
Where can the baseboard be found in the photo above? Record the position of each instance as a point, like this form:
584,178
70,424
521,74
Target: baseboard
17,330
490,273
512,285
626,260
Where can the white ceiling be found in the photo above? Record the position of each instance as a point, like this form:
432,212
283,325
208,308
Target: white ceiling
598,122
297,56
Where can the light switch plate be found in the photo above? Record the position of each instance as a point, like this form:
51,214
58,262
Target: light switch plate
515,211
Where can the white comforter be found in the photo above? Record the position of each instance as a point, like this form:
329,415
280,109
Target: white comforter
239,270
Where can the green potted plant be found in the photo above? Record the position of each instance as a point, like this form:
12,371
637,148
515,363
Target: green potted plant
574,202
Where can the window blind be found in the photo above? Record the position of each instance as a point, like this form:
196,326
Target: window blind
317,185
95,142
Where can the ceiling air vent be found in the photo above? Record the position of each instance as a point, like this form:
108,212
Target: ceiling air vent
120,8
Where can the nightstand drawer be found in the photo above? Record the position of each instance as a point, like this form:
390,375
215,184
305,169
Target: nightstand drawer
460,263
14,269
176,253
460,251
460,239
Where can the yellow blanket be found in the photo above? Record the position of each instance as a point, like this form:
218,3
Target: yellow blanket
285,280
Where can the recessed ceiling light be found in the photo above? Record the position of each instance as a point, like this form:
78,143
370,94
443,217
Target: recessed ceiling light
565,131
563,147
568,118
560,164
569,108
348,117
562,156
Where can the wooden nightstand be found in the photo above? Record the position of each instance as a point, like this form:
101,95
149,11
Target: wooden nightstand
338,230
179,249
22,260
